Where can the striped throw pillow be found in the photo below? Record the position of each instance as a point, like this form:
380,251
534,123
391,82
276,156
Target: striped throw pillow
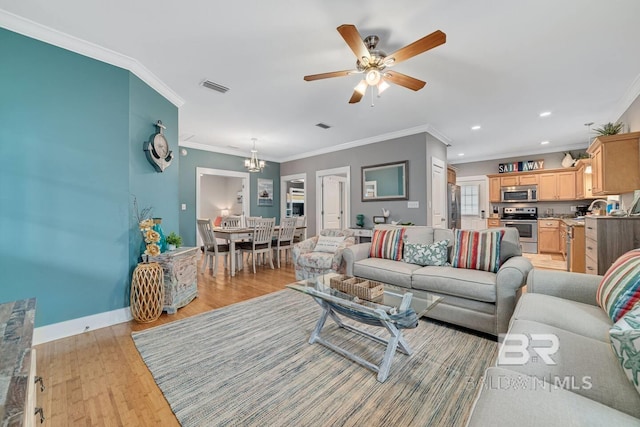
387,244
477,250
619,290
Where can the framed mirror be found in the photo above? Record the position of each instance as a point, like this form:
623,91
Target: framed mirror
387,181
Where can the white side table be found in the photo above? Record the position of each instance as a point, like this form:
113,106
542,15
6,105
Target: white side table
362,234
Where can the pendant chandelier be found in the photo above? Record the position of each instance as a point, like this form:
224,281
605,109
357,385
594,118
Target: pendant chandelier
252,163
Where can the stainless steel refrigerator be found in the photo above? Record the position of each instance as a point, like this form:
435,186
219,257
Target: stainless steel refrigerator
453,202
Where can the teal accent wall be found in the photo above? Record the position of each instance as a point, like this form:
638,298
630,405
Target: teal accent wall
152,189
207,159
70,130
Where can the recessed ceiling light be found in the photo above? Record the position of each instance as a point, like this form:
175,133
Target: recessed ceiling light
545,114
476,127
544,142
460,154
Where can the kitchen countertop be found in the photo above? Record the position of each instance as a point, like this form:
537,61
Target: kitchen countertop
16,325
570,221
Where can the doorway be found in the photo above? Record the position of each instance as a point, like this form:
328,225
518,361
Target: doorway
293,196
333,195
438,194
221,192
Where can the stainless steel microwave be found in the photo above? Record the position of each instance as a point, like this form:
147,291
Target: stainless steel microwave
519,193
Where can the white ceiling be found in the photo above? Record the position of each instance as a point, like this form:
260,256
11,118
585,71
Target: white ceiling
504,62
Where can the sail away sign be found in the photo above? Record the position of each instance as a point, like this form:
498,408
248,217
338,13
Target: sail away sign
528,165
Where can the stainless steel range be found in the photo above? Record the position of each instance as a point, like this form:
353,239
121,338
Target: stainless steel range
525,220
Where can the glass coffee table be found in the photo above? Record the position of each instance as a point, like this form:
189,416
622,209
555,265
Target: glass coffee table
395,310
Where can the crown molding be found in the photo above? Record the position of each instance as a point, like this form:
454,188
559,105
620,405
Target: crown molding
556,149
57,38
371,140
222,150
629,97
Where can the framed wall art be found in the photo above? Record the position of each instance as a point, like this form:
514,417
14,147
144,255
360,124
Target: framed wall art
265,192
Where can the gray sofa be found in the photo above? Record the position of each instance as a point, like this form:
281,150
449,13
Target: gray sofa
585,387
474,299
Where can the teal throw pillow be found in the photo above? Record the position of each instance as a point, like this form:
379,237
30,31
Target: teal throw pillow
625,340
422,254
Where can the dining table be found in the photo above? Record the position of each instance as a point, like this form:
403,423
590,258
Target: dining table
240,234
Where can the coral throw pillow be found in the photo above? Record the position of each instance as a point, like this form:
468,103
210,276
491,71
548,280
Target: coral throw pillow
477,250
619,290
217,221
387,244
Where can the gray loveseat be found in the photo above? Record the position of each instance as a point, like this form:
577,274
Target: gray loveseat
474,299
584,386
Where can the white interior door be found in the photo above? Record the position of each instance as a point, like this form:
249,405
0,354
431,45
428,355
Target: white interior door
332,197
342,190
438,194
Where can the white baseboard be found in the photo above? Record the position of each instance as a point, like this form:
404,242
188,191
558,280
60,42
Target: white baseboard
77,326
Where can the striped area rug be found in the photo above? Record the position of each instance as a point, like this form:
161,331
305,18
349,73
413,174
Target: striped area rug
250,364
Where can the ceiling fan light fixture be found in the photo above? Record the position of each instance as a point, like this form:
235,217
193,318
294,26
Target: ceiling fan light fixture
373,77
388,62
382,86
361,88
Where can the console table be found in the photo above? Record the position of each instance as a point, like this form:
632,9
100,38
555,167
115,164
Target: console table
362,235
18,364
180,277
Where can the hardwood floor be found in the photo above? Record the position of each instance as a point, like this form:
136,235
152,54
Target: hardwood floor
99,379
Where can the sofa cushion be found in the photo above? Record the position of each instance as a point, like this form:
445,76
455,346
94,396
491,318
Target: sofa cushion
583,319
478,250
436,253
510,399
625,340
583,365
619,290
387,244
473,284
385,270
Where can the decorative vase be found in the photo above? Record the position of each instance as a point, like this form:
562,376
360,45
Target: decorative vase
567,161
171,247
157,226
360,220
147,292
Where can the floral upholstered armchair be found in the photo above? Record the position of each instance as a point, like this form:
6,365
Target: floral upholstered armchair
321,254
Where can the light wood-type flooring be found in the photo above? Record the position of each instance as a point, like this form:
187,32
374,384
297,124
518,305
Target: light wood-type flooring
99,379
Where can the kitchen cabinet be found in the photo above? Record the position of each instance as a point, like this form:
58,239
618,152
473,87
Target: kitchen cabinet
493,222
562,239
548,236
526,179
576,255
494,189
557,186
451,175
608,237
583,180
615,160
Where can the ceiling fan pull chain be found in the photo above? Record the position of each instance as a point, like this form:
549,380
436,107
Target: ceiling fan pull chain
372,105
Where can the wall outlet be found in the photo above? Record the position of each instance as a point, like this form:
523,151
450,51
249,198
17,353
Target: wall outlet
183,206
574,209
413,205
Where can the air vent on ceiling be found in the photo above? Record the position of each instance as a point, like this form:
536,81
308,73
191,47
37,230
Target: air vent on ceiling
214,86
323,125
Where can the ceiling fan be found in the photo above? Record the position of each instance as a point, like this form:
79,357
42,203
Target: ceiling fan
374,62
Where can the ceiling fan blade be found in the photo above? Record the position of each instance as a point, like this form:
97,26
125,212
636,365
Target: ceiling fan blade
404,80
356,97
351,36
313,77
419,46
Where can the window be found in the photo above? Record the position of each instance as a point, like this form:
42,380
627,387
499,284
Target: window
469,200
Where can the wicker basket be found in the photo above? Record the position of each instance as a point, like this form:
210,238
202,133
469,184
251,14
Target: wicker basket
147,292
362,288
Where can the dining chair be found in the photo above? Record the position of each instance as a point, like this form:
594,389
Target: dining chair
231,221
261,241
300,233
284,241
251,220
210,246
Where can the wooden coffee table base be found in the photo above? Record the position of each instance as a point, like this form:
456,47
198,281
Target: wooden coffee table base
395,342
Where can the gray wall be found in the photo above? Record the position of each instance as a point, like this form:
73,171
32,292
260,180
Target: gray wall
413,148
631,117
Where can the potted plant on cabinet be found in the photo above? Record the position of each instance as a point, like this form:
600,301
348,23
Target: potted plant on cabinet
173,241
